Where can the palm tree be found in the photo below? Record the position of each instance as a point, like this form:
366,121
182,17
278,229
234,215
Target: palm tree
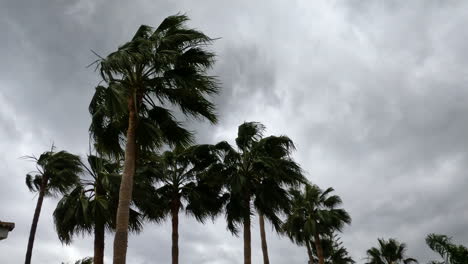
258,170
333,250
339,255
157,69
389,252
91,206
314,215
186,182
451,253
87,260
56,173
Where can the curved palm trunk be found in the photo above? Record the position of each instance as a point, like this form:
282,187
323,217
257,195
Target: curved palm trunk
261,219
126,188
37,212
247,235
99,235
175,231
318,247
309,252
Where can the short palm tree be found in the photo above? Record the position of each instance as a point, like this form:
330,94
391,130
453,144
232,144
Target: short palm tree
185,182
451,253
257,175
91,206
314,215
333,250
87,260
56,173
158,68
339,255
389,252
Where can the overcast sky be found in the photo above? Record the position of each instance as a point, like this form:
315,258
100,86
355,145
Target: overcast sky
373,93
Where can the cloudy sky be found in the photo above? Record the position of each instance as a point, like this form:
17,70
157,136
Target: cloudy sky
373,93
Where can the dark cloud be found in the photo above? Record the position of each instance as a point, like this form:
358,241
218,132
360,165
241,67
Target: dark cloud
372,92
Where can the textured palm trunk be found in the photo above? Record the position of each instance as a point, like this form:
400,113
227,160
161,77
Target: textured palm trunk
309,252
175,231
37,212
126,188
99,234
261,219
318,247
247,235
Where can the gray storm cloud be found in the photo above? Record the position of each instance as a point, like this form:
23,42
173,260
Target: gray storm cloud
374,94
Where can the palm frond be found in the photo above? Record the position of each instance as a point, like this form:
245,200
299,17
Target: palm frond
248,133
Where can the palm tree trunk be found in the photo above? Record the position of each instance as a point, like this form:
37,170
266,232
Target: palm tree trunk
175,231
261,219
126,188
99,234
247,235
309,252
37,212
318,247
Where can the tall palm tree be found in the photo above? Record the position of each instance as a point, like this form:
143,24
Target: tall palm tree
185,182
56,173
314,215
389,252
257,175
450,252
91,206
156,69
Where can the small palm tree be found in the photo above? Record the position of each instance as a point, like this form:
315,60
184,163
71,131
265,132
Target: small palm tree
451,253
314,215
260,170
185,182
389,252
56,173
339,255
157,69
91,207
87,260
333,250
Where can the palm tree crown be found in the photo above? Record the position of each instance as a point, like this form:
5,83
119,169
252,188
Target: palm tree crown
58,171
158,69
451,253
186,180
389,252
314,211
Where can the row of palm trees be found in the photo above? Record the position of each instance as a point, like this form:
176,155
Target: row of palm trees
388,252
130,179
256,176
188,179
393,252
